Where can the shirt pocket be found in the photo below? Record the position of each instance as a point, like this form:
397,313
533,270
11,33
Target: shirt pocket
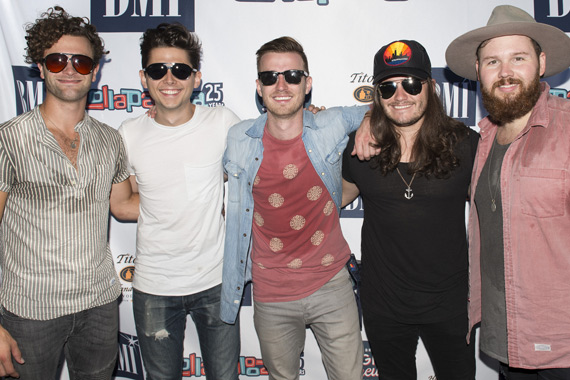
542,192
201,182
235,173
103,181
335,156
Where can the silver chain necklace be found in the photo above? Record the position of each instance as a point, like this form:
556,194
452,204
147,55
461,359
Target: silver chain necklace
493,194
409,194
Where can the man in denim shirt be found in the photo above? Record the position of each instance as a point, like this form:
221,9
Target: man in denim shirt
285,190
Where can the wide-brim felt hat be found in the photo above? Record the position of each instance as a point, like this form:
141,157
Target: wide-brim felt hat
508,20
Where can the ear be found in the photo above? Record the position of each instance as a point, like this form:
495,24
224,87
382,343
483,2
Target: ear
41,68
197,79
258,85
308,84
542,63
94,73
477,69
143,78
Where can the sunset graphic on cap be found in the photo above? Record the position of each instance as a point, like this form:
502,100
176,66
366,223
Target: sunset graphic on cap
397,53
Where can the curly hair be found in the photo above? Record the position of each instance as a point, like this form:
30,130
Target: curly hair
433,152
55,23
171,35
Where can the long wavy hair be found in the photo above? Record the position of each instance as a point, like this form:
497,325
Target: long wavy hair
434,150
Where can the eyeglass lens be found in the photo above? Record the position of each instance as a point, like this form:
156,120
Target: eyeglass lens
180,71
411,85
269,78
56,62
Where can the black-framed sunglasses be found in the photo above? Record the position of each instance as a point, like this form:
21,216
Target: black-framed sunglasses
269,78
180,71
411,85
56,62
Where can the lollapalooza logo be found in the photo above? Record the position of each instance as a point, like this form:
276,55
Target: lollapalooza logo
208,94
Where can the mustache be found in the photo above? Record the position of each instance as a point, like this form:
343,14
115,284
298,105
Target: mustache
506,81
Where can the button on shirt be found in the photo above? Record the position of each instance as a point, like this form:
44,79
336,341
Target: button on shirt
56,258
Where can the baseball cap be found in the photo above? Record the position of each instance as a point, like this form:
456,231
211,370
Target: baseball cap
403,57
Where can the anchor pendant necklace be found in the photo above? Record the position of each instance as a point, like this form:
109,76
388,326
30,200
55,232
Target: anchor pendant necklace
409,194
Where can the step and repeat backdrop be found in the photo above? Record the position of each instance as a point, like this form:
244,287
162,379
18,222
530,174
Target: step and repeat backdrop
340,38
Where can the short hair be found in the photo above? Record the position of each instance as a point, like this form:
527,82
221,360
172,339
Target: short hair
171,35
51,26
535,45
283,45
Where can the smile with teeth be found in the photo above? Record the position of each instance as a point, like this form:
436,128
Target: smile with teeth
401,106
170,92
278,98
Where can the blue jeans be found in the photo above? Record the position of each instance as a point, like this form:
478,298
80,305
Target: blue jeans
331,314
88,340
161,321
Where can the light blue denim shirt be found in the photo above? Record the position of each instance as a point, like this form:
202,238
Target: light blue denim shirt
325,136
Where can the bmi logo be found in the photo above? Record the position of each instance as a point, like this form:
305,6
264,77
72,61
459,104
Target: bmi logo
29,87
458,95
129,364
139,15
553,12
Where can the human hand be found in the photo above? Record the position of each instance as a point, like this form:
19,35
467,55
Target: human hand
315,109
364,142
151,112
8,349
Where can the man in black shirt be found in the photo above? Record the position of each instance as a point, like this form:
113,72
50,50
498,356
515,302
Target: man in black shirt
414,248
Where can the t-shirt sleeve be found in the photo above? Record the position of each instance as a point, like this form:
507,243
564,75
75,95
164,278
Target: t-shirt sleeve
346,158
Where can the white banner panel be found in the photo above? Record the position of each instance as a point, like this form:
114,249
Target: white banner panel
340,38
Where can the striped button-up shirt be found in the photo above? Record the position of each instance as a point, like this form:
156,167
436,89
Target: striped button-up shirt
56,258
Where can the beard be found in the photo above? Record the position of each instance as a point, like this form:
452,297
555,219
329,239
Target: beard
513,106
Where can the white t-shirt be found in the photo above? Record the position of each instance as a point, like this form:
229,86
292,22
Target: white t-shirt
180,232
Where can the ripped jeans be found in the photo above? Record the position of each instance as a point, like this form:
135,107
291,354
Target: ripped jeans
160,323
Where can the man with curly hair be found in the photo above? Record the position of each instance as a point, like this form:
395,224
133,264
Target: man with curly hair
180,232
60,171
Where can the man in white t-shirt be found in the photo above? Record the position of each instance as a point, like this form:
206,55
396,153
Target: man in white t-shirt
175,160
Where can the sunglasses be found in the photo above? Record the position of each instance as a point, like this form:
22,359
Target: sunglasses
180,71
411,85
56,62
269,78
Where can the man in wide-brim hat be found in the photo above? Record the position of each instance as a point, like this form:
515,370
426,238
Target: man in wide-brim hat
519,218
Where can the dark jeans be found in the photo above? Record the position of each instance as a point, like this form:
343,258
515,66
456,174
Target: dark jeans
534,374
161,321
394,347
88,340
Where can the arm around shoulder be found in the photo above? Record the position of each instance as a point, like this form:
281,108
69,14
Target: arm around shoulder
349,192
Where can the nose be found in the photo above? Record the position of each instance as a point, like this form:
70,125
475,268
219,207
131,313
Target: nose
69,69
281,82
400,92
505,70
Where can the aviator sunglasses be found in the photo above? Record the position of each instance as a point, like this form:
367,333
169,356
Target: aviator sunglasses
180,71
411,85
56,62
269,78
